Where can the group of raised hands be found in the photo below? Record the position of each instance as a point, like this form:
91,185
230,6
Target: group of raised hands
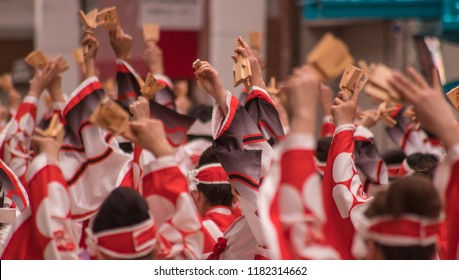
301,91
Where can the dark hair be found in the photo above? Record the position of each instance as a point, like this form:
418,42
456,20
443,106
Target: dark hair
201,112
424,164
393,156
408,195
204,114
323,146
123,207
216,194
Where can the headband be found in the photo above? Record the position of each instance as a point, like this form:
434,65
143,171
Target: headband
406,230
124,243
209,174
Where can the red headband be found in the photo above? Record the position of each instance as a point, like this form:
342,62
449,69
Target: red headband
408,230
124,243
210,174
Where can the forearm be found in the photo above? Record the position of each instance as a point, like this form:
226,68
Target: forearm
90,68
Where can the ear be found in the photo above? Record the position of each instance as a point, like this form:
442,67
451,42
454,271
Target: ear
196,196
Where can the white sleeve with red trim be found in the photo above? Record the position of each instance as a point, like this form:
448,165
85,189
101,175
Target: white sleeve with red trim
342,190
16,137
221,123
291,206
246,157
446,181
92,158
264,113
43,231
178,226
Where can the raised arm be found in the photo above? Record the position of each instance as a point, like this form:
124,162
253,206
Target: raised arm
259,104
436,115
16,137
165,188
290,198
240,147
341,186
44,231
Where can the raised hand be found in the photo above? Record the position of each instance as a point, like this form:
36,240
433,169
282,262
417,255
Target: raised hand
210,81
303,92
89,57
55,89
47,145
429,104
121,43
140,109
153,57
43,78
149,134
369,118
344,107
246,52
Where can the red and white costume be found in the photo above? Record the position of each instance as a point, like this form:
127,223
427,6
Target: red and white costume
43,230
246,156
94,163
215,221
291,203
219,217
342,191
446,181
327,128
128,242
16,137
179,230
262,110
410,140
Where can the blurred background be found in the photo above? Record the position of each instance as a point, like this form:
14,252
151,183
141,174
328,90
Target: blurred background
398,33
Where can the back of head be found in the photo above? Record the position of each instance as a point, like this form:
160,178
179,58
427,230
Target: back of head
411,195
123,216
123,207
216,194
424,164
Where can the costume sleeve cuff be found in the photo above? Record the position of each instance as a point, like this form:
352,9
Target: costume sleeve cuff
161,163
37,164
31,99
343,127
363,132
219,119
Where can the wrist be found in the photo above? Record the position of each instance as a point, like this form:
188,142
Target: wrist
343,122
34,93
258,82
157,68
126,57
161,150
